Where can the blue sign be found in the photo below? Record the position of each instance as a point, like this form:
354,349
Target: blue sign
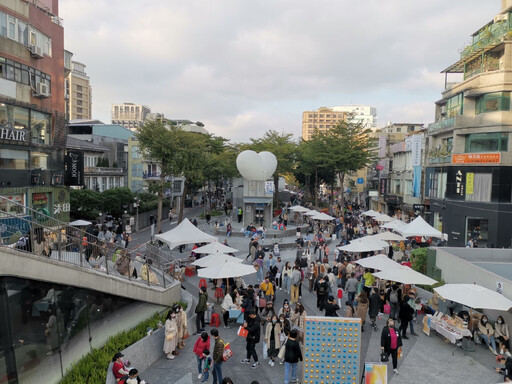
360,180
11,225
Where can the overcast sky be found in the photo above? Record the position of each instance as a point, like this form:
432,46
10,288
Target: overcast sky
243,67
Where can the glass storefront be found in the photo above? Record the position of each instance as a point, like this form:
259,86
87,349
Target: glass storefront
477,229
45,327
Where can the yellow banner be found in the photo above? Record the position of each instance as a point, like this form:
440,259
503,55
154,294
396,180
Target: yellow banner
470,178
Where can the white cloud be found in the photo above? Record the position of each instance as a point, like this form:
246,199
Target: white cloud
245,67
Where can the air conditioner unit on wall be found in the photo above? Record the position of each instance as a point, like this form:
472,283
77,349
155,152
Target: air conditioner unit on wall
42,90
36,52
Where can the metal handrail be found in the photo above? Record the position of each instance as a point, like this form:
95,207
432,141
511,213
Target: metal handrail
72,245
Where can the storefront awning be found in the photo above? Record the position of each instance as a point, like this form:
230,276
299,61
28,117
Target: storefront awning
258,200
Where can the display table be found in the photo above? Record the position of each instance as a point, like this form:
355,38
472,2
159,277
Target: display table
447,328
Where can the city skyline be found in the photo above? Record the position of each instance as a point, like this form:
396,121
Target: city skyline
242,70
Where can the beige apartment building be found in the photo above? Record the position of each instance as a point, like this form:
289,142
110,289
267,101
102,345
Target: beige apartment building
78,93
129,115
320,120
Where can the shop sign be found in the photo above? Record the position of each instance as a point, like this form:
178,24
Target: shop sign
418,207
470,179
269,187
459,184
477,158
74,162
12,134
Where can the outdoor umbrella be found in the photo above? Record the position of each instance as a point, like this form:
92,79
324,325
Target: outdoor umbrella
474,296
419,227
364,244
80,223
312,213
370,213
226,270
322,216
298,208
185,233
216,259
405,275
215,247
380,262
388,236
383,218
395,224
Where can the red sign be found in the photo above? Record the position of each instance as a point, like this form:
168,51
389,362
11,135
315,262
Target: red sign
477,158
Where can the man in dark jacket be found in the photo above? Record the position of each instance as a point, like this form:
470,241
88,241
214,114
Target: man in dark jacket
374,308
201,308
218,351
292,355
321,290
331,307
253,337
248,303
405,315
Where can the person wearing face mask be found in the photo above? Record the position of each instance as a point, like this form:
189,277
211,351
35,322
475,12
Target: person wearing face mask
501,334
267,313
390,341
486,332
171,335
285,310
272,332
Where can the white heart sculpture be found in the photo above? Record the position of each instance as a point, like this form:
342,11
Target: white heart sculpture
256,166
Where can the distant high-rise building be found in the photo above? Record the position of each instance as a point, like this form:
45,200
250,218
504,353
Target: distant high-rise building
320,120
78,93
360,113
129,115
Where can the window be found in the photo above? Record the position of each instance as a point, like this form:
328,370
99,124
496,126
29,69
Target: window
13,159
40,128
79,110
480,188
436,183
487,142
454,105
3,24
399,129
79,102
79,95
38,160
79,88
11,27
490,102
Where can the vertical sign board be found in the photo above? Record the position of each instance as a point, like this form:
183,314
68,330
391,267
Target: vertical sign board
375,373
74,168
332,350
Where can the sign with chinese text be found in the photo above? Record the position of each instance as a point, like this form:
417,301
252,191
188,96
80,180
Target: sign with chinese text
470,179
416,150
477,158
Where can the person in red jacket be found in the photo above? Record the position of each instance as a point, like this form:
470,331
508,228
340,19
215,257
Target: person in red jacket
202,343
118,368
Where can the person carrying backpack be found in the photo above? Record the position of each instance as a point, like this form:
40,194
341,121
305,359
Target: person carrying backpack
394,297
296,279
321,289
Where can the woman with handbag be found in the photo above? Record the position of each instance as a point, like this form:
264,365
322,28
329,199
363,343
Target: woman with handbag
272,332
181,317
171,334
390,342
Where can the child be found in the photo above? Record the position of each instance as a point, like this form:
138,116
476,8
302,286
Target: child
340,295
207,363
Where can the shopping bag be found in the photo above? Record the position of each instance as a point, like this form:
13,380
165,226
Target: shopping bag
262,302
399,353
387,309
384,357
227,353
282,350
242,332
265,351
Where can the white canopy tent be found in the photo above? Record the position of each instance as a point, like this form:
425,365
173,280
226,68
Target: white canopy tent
323,217
380,262
364,244
474,296
216,259
383,218
298,208
80,223
185,233
405,275
388,236
395,224
226,270
370,213
215,248
419,227
312,213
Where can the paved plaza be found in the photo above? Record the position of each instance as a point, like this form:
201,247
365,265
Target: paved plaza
427,359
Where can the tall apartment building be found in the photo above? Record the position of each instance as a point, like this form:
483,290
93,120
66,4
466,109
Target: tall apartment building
360,113
468,182
320,120
129,115
78,93
32,107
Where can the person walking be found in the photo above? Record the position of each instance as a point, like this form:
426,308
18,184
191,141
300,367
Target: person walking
202,343
362,308
218,351
287,274
253,337
390,341
201,308
292,356
405,315
295,283
374,307
239,214
331,307
351,287
272,332
394,297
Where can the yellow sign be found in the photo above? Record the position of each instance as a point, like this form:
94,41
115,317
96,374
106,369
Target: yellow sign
470,178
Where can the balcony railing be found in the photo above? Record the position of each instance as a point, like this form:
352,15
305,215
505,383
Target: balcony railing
441,125
103,170
490,35
440,159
